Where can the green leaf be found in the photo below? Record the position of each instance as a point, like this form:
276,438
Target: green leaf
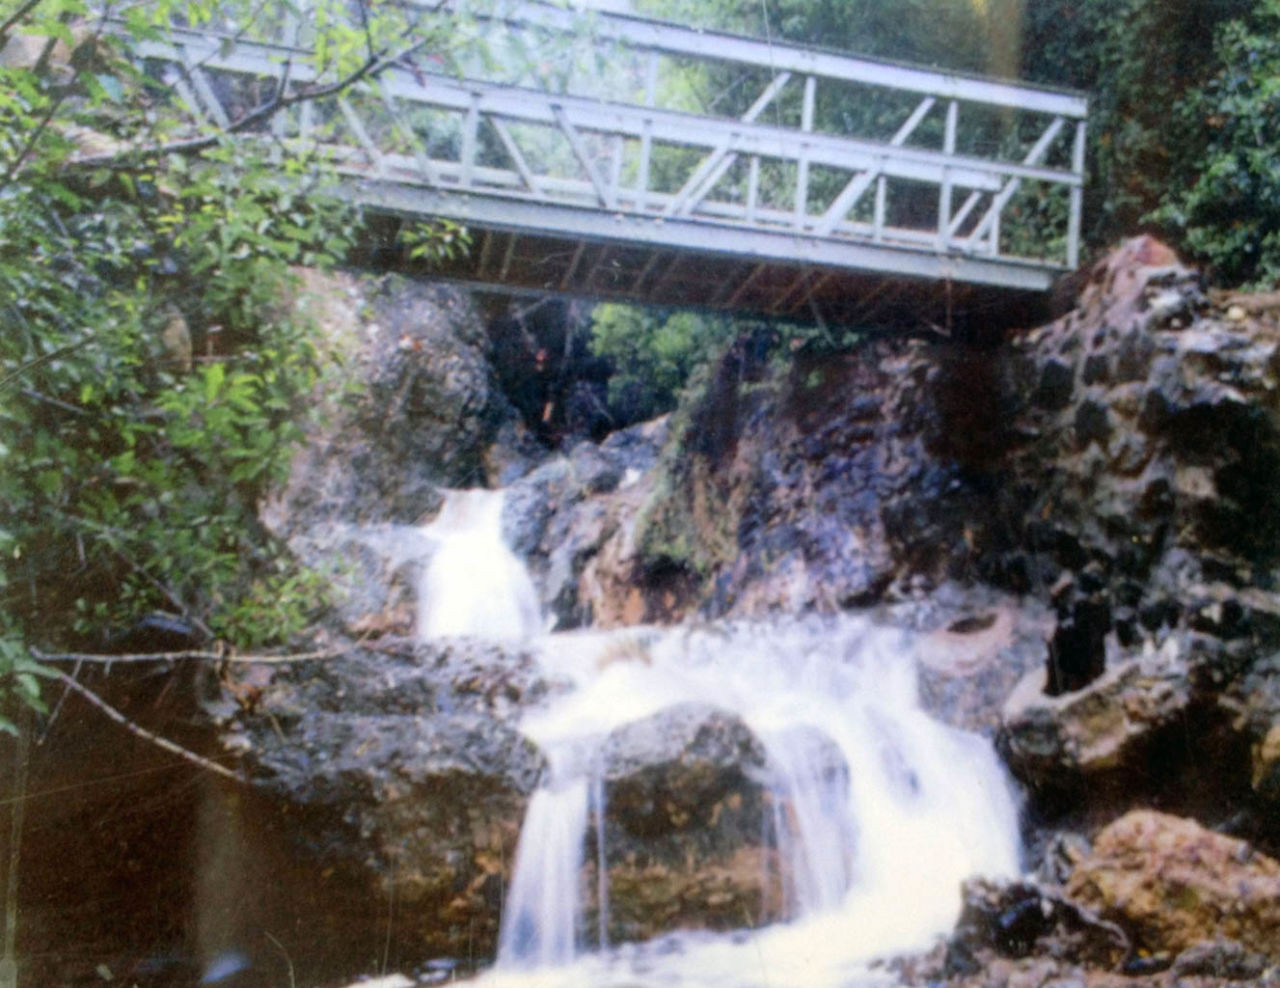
214,375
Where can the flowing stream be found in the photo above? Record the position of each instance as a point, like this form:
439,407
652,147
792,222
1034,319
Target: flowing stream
878,811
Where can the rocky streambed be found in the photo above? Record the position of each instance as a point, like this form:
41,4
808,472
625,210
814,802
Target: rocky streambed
1074,534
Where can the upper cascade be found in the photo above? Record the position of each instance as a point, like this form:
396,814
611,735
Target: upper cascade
474,584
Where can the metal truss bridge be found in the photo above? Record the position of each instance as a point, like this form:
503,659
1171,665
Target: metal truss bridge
819,186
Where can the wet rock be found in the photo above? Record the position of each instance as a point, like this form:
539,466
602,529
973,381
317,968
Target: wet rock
1175,884
1077,649
683,832
410,403
1254,704
573,520
1105,726
1021,919
972,645
401,768
1224,959
1092,423
665,771
1057,380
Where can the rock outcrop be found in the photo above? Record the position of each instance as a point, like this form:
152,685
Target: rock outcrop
410,403
1022,934
573,519
1121,466
1177,885
1149,454
400,770
407,404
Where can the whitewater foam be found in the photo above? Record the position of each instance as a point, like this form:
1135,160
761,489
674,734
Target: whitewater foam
886,810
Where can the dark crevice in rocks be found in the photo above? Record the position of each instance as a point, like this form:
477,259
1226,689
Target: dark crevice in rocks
541,355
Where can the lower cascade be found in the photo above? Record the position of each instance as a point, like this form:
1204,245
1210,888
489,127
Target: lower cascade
875,812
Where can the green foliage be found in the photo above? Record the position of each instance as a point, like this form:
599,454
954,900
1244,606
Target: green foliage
153,375
20,677
435,241
652,354
958,34
1229,212
1136,58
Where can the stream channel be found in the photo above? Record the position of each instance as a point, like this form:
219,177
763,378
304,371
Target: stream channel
876,812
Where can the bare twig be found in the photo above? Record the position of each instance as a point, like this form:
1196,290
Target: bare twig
287,959
37,132
57,707
169,595
192,656
13,19
37,361
35,395
101,659
143,733
129,159
21,765
54,106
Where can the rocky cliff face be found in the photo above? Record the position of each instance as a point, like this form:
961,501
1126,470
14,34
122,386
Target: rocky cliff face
1121,466
1082,522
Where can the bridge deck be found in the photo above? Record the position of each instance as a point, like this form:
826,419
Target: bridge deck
604,182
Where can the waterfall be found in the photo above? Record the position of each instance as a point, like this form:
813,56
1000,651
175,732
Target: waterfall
474,584
817,838
540,922
878,811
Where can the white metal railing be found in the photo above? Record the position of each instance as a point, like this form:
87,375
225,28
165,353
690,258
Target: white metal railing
485,150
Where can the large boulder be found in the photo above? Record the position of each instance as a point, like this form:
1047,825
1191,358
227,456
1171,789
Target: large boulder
685,799
398,769
1020,934
1107,726
1175,884
409,403
972,645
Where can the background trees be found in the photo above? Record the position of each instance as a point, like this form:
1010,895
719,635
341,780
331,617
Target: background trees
1184,104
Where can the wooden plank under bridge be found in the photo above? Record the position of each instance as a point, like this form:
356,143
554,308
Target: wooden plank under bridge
945,196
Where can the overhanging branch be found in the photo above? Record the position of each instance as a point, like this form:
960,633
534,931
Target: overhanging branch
280,100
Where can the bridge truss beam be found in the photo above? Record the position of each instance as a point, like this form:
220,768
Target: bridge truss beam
931,200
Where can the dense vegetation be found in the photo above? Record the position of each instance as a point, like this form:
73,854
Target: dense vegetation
1184,97
153,374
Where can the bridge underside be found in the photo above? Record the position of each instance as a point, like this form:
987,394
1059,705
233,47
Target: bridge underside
715,270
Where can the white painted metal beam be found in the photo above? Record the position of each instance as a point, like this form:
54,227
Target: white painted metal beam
593,207
698,236
676,39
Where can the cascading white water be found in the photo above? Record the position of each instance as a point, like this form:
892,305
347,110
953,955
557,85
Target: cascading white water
879,812
540,921
886,810
474,584
817,837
